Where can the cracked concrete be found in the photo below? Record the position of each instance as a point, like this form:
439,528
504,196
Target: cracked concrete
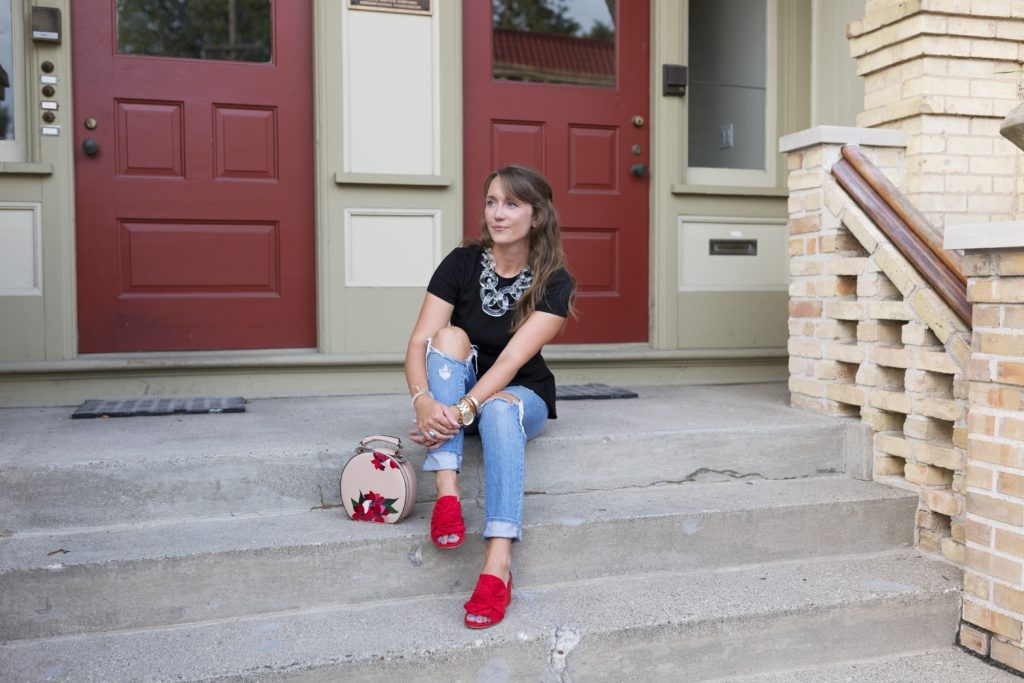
565,641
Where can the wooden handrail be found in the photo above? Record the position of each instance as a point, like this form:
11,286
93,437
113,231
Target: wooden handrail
947,282
899,203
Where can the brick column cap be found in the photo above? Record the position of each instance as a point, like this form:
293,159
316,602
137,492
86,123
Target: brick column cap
1009,235
842,135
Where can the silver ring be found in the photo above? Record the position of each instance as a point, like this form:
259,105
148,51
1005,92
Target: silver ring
432,434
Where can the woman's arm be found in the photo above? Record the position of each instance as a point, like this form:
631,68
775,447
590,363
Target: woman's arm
434,314
538,330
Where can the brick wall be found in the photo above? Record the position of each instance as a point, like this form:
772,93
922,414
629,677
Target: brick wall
946,72
869,338
993,611
945,404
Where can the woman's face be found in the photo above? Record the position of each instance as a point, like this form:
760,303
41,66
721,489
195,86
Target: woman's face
508,219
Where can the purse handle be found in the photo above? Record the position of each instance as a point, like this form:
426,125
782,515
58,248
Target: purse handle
363,446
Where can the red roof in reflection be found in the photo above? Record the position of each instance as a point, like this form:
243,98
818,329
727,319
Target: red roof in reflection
548,52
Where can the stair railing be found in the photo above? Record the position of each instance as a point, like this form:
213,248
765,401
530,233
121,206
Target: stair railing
904,225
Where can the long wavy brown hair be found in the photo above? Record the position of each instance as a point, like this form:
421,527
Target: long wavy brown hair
546,253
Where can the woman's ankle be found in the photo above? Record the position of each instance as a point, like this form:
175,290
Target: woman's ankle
498,558
447,483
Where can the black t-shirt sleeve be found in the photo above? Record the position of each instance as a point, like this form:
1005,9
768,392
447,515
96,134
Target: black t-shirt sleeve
446,282
557,294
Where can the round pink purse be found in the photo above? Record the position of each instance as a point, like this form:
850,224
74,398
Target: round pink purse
378,484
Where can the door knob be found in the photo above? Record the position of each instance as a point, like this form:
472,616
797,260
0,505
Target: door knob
639,170
90,147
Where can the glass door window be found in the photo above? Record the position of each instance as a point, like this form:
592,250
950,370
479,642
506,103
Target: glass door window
555,41
226,30
730,110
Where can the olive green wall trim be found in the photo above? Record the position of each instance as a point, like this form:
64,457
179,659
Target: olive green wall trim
355,319
668,46
794,84
733,319
306,373
43,327
20,340
692,371
258,361
837,92
730,191
388,180
24,168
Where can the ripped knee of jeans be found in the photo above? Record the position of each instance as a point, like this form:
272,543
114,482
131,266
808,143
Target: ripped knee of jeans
507,399
449,348
452,342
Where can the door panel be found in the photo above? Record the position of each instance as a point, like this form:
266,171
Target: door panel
195,219
564,104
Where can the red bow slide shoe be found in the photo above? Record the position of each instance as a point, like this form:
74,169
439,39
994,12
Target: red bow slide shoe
447,521
490,599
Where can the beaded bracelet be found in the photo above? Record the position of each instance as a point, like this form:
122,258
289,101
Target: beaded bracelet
419,392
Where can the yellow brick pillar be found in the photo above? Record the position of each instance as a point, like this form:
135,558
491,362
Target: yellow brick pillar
825,261
946,72
993,613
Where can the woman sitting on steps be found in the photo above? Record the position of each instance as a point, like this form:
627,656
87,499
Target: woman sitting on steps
473,365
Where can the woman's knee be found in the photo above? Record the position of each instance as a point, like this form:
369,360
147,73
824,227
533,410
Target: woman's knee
500,412
452,341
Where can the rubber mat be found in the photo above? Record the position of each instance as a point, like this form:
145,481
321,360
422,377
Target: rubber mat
138,407
579,392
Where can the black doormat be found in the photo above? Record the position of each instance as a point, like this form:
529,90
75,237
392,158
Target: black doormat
137,407
579,392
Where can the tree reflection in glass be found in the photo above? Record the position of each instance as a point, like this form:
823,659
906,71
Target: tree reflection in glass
228,30
555,41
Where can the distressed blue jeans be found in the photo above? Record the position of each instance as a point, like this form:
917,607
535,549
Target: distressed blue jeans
504,427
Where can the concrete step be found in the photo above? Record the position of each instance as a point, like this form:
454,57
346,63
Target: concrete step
948,665
285,455
666,626
135,575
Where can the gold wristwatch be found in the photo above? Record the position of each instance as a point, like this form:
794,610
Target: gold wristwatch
466,412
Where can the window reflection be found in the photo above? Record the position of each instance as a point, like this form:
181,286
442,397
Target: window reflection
7,94
555,41
228,30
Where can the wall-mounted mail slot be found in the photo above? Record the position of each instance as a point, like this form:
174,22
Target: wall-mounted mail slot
720,247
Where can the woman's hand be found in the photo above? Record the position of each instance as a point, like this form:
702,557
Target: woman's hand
435,422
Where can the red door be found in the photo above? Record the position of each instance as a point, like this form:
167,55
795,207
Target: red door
574,107
193,130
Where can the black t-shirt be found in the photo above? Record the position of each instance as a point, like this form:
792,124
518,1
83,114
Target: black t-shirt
457,281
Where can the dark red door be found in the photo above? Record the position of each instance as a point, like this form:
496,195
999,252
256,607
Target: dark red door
573,104
193,129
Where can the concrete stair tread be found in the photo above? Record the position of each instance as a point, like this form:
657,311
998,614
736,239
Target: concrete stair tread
285,428
588,621
66,548
287,454
949,665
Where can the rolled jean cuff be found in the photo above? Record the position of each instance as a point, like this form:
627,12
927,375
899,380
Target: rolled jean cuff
496,528
442,460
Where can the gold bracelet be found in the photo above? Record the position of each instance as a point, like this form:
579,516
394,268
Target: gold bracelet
466,414
476,403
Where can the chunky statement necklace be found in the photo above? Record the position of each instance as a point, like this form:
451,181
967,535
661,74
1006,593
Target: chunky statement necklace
497,302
